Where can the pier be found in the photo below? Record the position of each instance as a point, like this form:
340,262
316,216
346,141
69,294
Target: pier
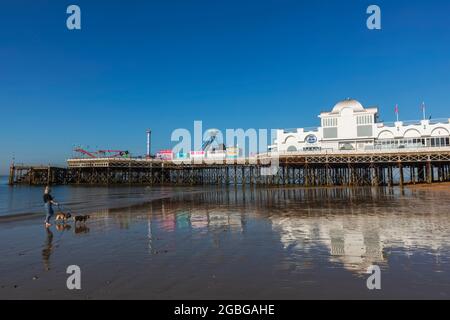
308,169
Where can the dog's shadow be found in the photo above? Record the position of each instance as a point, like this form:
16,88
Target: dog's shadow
80,229
63,227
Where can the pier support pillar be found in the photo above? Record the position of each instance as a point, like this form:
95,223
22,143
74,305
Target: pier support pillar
400,168
429,172
351,175
327,175
306,176
390,176
31,177
374,176
12,172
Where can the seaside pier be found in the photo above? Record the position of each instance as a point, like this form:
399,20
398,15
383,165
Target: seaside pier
308,169
350,148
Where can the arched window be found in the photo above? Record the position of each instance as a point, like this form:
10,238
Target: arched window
291,149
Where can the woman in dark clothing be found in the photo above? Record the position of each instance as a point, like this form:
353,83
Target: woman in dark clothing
48,204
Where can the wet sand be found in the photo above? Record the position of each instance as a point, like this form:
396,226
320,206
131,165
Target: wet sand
240,244
443,186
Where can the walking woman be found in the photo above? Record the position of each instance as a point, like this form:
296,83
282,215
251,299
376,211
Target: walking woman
48,204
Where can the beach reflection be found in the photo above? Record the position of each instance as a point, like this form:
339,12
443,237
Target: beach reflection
63,227
48,248
360,241
352,228
361,231
262,243
80,229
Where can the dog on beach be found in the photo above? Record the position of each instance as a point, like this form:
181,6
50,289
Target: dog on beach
81,219
61,216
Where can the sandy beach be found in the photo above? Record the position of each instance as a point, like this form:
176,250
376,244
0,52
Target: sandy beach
443,186
239,243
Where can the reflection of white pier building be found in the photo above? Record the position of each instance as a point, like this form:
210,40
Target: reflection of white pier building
350,126
358,240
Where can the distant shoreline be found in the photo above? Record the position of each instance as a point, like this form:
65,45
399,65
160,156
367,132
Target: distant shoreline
440,186
17,217
20,217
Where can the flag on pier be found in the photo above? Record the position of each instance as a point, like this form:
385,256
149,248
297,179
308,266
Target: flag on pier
396,111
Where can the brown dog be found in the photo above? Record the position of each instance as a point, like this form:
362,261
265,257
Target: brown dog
61,216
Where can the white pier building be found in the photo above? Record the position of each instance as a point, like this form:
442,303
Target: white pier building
350,126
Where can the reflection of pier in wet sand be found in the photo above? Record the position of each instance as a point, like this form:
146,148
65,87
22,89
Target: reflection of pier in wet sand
239,242
356,226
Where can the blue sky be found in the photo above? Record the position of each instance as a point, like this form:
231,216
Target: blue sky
232,64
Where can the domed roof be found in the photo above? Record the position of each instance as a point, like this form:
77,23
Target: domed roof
347,103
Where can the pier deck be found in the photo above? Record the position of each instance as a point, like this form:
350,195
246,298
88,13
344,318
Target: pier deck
323,168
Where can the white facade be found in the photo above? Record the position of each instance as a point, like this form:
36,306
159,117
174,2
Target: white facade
350,126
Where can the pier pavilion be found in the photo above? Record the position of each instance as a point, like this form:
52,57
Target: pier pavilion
350,126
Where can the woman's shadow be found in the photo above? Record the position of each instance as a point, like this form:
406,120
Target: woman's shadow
48,244
48,248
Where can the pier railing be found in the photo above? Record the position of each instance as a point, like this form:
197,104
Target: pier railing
414,122
362,152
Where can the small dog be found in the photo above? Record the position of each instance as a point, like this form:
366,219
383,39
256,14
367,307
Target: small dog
82,219
61,216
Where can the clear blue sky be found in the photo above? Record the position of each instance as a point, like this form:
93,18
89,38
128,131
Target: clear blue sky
233,64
